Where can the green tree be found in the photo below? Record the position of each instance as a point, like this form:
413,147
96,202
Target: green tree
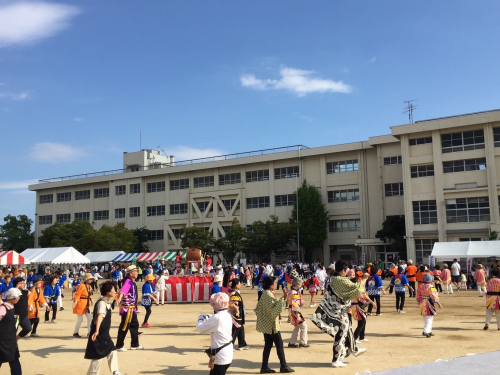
234,240
265,238
394,230
142,235
256,239
16,233
71,234
313,218
197,238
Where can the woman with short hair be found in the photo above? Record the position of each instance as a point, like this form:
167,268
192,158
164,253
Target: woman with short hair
82,303
51,293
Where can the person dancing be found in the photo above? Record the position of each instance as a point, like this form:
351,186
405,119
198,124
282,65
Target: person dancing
35,301
82,304
237,311
357,310
493,297
427,296
128,311
148,294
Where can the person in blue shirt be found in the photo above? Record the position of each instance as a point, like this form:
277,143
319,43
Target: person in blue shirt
62,279
30,279
51,293
5,285
148,293
216,286
148,271
76,282
115,275
281,277
255,277
373,288
260,278
399,282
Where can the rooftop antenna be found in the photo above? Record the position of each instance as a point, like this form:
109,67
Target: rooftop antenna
410,107
140,140
162,150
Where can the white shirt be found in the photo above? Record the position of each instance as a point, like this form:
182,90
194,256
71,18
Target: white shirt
321,274
455,269
220,327
160,282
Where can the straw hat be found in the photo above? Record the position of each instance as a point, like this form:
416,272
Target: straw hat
217,278
149,277
131,268
219,301
88,276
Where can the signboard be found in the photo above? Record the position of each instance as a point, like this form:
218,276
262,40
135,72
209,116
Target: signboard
432,261
363,258
469,264
438,259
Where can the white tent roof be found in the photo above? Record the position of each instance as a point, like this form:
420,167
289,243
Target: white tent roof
55,255
103,256
469,249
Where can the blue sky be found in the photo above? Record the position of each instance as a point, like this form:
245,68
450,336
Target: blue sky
79,80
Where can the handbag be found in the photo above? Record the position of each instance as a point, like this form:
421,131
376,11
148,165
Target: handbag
212,352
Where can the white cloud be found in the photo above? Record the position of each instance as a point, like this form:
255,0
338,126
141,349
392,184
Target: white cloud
15,96
373,59
77,119
48,152
17,185
298,81
188,153
27,22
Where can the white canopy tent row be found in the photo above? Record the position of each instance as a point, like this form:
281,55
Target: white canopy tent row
103,256
55,255
470,249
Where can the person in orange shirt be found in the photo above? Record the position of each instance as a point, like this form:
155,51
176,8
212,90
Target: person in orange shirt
394,272
35,301
480,278
82,303
410,273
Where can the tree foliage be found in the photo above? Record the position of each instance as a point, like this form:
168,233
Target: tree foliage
313,218
394,230
234,240
142,235
270,236
16,233
197,238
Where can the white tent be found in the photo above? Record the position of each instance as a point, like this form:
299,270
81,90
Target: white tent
466,249
483,249
55,255
103,256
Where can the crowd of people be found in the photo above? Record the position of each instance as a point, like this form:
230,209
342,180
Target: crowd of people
350,294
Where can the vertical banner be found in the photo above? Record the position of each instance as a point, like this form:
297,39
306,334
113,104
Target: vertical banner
432,261
469,264
363,258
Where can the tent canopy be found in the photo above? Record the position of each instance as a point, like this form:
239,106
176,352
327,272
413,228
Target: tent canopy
10,257
469,249
147,257
103,256
55,255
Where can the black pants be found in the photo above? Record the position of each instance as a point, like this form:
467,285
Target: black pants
391,289
412,284
25,325
259,294
54,312
377,299
360,330
134,332
268,345
219,369
438,287
148,313
34,324
15,367
240,334
400,301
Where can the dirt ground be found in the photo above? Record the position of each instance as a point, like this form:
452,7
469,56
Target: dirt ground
173,346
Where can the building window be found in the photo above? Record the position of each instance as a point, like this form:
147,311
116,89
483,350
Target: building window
47,198
44,220
204,205
155,235
349,225
287,172
422,171
393,160
63,218
226,228
423,248
134,211
257,202
179,184
420,141
342,166
496,136
154,187
467,210
63,197
249,229
424,212
82,216
465,141
230,179
473,239
156,210
394,190
82,194
284,200
203,181
135,188
261,175
119,213
343,195
176,209
229,203
464,165
101,215
120,190
101,193
176,233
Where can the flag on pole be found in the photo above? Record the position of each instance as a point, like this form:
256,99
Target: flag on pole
134,262
159,256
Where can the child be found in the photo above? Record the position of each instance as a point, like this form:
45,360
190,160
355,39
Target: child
237,311
493,297
427,296
463,282
437,278
357,310
248,276
148,293
312,284
373,287
295,300
399,282
216,285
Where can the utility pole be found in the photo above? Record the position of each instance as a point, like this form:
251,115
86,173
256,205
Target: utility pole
410,107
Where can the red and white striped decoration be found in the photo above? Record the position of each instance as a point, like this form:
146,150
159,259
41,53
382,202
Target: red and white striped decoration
11,257
187,289
150,257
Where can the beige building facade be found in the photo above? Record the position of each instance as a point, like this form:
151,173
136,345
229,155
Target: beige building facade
420,170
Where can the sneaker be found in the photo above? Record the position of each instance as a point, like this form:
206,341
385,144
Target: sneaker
139,333
146,325
293,345
244,348
121,350
338,364
379,314
366,314
428,335
34,335
53,321
47,321
397,310
401,312
61,308
76,335
486,326
358,342
267,370
286,369
304,345
311,305
137,348
365,340
360,351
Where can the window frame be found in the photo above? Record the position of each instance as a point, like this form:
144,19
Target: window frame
155,187
342,166
178,208
286,172
426,212
351,195
230,178
180,184
468,210
258,202
135,188
101,193
393,160
80,216
155,210
101,215
64,197
285,200
394,189
465,165
419,171
121,190
462,141
257,175
201,182
47,220
344,225
46,198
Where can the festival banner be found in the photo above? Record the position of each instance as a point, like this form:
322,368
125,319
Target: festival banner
469,264
432,261
363,258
